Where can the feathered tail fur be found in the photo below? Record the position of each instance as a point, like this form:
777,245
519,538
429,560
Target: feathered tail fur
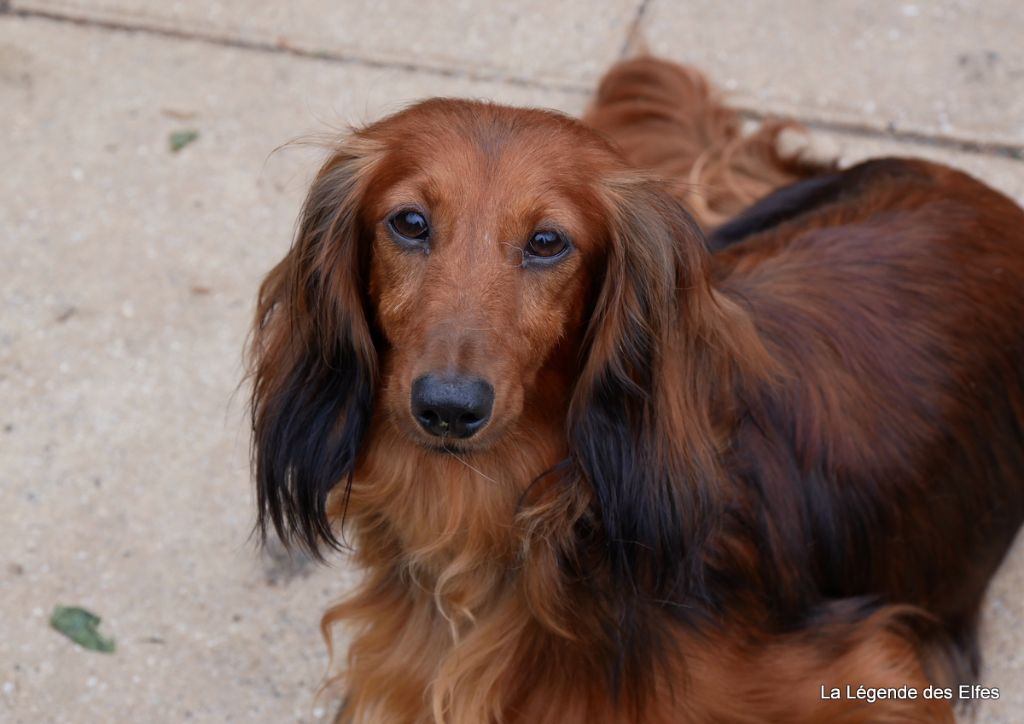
668,120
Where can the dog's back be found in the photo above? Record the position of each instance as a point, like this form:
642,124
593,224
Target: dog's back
899,297
896,288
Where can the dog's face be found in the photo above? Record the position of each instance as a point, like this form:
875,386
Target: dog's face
482,236
467,279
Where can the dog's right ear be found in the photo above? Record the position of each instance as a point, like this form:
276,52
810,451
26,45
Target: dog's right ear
312,357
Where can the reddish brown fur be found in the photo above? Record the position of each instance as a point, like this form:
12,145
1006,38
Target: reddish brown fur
711,483
667,119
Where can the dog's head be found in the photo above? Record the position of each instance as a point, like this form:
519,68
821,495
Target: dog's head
464,271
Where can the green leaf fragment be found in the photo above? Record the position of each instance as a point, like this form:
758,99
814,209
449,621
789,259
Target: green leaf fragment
80,625
180,139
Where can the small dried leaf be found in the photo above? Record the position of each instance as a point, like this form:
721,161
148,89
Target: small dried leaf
80,625
180,139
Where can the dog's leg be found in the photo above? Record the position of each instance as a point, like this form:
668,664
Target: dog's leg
848,664
667,119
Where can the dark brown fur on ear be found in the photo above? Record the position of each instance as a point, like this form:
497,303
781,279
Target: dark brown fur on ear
615,424
313,359
662,354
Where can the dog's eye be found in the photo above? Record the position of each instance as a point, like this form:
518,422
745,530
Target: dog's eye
411,225
546,245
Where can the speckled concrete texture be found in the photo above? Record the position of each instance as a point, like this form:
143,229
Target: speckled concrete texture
528,40
128,277
128,273
952,68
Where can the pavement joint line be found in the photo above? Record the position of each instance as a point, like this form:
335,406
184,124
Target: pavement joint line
322,55
633,36
849,128
973,146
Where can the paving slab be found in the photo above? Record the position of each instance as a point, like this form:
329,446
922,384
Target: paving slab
1003,642
127,278
1003,173
528,39
943,67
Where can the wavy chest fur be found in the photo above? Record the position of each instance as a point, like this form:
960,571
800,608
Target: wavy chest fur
466,615
462,580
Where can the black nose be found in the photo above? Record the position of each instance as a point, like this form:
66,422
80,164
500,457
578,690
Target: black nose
451,406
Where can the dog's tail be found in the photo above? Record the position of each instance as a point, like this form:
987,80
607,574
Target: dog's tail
668,120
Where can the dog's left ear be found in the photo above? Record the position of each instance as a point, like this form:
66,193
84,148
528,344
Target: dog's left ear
313,357
629,433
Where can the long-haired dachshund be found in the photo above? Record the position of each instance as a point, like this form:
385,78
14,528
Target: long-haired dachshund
601,465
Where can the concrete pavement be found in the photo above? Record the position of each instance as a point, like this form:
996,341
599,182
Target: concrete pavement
127,275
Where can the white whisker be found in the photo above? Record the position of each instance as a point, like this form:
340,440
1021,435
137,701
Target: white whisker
455,455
